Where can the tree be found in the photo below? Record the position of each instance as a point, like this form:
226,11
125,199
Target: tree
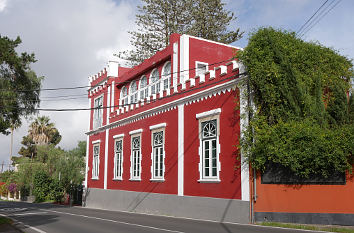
19,85
303,120
41,132
158,19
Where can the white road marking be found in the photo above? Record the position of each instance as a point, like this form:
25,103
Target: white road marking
110,220
28,226
30,213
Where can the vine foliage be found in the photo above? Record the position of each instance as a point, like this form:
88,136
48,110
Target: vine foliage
304,113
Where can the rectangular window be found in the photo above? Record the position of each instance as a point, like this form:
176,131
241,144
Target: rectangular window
118,159
209,146
201,68
95,161
135,158
209,150
98,112
158,155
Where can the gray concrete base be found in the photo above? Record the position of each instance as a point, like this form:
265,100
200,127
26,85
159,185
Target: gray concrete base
216,209
306,218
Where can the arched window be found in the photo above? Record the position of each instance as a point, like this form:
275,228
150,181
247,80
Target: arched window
133,91
143,87
209,149
166,75
124,96
154,81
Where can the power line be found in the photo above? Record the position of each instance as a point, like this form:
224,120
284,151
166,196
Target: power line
80,87
319,19
174,94
311,17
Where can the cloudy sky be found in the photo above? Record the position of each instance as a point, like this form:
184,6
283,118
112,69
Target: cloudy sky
73,39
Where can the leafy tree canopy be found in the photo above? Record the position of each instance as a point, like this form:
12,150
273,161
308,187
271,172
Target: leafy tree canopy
19,85
158,19
304,117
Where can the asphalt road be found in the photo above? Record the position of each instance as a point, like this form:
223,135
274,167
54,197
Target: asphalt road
55,218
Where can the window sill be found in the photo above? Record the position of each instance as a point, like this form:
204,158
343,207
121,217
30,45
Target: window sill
209,181
117,179
135,179
157,180
94,178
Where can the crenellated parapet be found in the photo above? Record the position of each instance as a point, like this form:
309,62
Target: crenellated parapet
199,87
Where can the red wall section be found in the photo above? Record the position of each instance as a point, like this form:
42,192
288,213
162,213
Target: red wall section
209,52
230,176
90,182
169,186
306,198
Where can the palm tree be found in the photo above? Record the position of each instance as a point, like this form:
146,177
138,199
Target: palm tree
43,132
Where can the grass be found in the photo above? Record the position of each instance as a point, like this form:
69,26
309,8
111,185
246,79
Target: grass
308,227
4,220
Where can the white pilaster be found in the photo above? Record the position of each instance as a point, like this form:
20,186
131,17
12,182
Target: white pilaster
87,145
184,58
112,95
175,65
181,150
108,104
245,187
105,159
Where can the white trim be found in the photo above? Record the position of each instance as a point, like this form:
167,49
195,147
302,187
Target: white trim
105,160
208,113
184,59
180,150
108,104
115,176
214,42
153,177
118,136
175,65
96,141
211,179
87,146
245,185
196,67
135,131
172,104
138,177
112,96
161,125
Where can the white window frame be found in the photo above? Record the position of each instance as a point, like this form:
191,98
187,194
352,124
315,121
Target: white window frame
166,77
124,98
159,128
133,95
118,158
143,91
198,71
98,113
95,160
212,115
135,163
156,86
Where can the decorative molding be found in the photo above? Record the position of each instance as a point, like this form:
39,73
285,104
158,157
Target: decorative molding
196,97
118,136
135,131
208,113
162,125
96,141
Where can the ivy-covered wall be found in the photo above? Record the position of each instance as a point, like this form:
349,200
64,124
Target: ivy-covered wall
304,112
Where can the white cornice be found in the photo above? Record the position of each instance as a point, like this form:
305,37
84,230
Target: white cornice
208,113
135,131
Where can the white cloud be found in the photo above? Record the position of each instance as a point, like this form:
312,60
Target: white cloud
3,4
71,40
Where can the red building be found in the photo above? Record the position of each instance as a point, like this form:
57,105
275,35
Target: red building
163,135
